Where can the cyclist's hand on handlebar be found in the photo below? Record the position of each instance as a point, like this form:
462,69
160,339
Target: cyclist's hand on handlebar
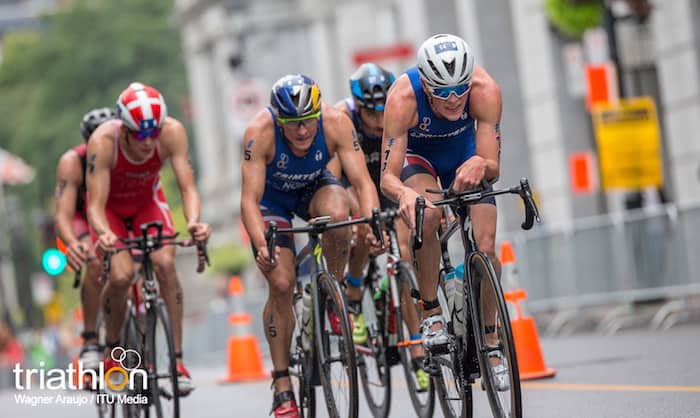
106,242
77,255
374,245
199,231
262,259
407,207
469,174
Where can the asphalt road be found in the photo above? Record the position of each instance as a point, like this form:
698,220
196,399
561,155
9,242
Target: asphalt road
637,373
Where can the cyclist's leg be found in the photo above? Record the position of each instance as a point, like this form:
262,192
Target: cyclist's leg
329,198
90,290
354,276
115,291
410,315
484,224
278,317
428,257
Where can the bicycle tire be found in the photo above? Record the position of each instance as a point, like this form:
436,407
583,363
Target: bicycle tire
104,410
303,362
453,393
502,404
133,338
423,402
372,363
331,298
160,349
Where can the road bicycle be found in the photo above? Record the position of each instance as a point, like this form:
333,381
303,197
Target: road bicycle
147,329
321,356
485,348
389,339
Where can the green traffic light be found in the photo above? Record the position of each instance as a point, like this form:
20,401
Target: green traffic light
53,261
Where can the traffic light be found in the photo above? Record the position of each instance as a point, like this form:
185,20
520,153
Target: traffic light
53,261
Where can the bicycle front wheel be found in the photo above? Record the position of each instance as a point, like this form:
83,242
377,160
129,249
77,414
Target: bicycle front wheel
453,390
336,351
497,358
372,362
161,362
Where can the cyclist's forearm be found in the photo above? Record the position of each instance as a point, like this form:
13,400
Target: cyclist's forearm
64,228
253,223
98,221
191,206
392,187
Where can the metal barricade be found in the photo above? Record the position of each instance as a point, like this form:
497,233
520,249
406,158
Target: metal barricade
648,255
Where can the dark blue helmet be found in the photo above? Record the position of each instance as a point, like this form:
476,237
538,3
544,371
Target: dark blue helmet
369,85
295,95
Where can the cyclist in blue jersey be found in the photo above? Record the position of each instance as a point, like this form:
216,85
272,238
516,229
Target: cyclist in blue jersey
369,85
441,124
286,151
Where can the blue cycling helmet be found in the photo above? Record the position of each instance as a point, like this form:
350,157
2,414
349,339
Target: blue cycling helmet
295,95
369,85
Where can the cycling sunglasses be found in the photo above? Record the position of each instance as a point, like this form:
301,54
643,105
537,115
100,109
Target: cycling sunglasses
444,92
145,133
283,120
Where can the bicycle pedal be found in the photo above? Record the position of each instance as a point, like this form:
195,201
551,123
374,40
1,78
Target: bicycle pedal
446,348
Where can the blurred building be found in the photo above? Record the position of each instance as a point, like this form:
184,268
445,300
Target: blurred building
235,50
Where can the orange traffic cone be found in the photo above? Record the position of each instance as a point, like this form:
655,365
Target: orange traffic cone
245,361
527,341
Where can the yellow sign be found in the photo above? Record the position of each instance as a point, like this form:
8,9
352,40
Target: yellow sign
629,144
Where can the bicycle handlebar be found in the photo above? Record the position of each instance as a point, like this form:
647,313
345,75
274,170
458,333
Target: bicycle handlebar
471,197
148,243
320,225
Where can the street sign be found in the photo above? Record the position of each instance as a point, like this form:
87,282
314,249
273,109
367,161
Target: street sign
248,98
629,144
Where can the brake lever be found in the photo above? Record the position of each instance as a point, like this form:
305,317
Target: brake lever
376,226
271,237
420,214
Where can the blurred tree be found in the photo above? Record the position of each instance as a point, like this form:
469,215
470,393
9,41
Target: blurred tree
85,54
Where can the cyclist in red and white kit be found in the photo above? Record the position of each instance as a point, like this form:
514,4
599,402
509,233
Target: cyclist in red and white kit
124,158
72,228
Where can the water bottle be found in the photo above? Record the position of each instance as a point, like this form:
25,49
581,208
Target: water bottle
307,319
457,307
450,286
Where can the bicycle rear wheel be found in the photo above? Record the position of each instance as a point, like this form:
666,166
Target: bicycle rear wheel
371,359
161,363
497,358
423,400
336,351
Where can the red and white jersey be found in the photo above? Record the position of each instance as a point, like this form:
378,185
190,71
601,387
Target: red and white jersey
132,183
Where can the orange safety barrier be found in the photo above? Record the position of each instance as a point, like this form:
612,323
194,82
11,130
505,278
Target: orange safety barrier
245,362
527,341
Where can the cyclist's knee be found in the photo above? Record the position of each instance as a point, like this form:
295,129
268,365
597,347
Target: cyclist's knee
281,287
431,221
165,268
487,244
120,280
93,270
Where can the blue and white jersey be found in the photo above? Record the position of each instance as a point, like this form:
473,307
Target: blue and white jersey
445,144
287,174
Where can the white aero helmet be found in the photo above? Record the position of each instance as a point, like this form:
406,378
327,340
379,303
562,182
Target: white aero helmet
445,61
